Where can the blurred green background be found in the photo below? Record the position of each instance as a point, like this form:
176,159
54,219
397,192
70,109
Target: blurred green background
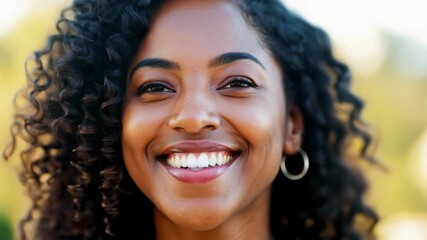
386,47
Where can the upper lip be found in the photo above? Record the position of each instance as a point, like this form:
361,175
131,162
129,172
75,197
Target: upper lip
195,146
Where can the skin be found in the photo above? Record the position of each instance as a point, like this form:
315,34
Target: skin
192,101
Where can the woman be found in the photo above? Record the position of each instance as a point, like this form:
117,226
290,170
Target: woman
213,119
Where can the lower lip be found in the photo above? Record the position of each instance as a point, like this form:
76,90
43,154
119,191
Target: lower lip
200,176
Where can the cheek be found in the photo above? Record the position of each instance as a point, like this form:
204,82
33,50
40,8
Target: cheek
130,136
262,129
133,129
140,124
261,121
136,137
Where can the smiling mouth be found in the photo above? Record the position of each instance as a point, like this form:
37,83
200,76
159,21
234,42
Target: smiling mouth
200,160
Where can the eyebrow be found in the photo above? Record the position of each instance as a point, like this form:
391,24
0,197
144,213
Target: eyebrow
154,63
223,59
231,57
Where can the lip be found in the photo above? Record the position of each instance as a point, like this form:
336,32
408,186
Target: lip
196,146
201,176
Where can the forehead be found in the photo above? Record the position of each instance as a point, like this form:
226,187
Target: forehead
216,25
198,15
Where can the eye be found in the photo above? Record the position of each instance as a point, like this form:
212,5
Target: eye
154,87
239,82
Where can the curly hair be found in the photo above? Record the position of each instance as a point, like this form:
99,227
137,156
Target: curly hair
73,168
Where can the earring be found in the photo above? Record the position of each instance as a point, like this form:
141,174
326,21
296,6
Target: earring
302,173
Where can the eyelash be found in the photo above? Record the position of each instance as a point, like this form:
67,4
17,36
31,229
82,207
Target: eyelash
239,80
160,87
153,87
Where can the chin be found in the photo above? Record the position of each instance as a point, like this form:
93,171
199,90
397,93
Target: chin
198,219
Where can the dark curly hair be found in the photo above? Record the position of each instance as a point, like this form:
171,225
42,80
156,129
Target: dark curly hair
73,168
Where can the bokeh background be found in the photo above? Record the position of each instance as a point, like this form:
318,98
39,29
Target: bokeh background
383,41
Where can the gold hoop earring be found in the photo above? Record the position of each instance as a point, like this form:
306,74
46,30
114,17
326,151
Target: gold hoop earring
304,170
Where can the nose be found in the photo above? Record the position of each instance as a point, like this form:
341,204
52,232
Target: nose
194,113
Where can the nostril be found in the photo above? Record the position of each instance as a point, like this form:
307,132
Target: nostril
210,127
194,123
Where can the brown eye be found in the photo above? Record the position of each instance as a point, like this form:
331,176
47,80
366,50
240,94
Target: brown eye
239,82
154,87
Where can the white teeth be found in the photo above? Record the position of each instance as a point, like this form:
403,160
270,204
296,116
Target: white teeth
177,161
191,161
203,161
198,161
212,160
183,161
221,159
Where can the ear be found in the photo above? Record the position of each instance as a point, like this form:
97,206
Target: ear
294,130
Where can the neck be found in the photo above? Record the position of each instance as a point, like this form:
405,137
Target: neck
252,222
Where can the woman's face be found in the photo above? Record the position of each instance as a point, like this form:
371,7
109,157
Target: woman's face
204,116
